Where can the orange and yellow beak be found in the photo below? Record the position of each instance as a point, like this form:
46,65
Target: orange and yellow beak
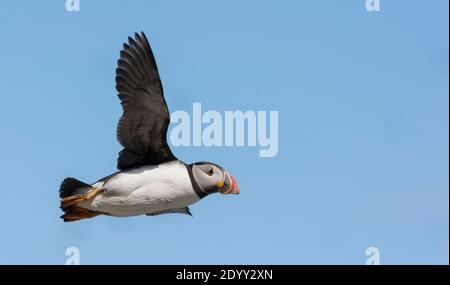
229,186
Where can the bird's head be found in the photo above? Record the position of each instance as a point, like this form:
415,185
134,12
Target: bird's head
212,178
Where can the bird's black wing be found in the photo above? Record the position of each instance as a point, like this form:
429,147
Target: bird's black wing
143,126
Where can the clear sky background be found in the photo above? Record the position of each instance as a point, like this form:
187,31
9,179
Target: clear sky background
363,129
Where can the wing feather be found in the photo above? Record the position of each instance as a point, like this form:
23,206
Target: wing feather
142,129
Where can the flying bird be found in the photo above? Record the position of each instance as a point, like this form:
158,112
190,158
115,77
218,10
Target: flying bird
150,180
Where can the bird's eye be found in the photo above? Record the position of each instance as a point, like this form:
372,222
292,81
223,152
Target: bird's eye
210,172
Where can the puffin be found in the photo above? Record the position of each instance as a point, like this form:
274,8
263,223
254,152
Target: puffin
151,180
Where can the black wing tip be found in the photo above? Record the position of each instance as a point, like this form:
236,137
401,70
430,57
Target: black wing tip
138,37
141,38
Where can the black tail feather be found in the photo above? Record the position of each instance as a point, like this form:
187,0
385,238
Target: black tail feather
69,186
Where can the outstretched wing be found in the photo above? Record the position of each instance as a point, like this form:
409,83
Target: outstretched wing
143,126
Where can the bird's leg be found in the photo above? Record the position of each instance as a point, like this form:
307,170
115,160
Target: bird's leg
77,213
93,192
75,199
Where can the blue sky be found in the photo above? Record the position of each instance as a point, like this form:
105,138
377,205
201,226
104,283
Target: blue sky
363,129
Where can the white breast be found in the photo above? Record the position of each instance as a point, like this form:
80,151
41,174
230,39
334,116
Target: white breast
145,190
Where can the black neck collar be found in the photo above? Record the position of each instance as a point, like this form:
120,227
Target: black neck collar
199,191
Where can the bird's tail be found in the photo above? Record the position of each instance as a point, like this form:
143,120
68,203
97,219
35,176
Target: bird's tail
73,192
